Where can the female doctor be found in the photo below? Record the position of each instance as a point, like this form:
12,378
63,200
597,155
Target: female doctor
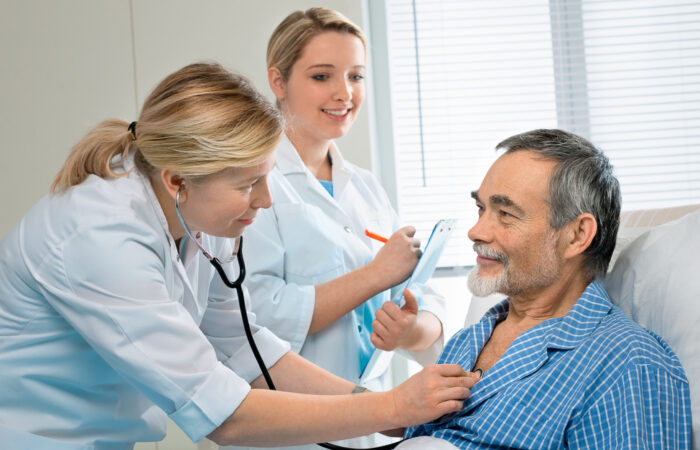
318,281
111,319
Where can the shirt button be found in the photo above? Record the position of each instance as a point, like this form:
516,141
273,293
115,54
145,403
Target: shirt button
359,328
347,229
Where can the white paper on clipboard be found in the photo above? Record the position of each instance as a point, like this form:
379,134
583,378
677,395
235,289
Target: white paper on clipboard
421,274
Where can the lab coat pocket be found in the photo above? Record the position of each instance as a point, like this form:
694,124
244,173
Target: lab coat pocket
381,223
313,253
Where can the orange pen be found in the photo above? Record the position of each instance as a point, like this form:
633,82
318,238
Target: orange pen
376,236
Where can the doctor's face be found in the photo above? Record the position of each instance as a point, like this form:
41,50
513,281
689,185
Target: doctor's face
224,203
326,87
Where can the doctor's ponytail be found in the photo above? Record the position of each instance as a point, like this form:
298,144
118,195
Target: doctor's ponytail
94,154
198,121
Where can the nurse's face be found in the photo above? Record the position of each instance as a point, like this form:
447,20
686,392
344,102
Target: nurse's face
226,202
326,87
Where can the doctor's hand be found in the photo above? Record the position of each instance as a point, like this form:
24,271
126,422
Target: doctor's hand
431,393
397,258
397,327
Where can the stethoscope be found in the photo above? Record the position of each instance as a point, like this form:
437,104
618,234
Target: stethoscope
238,286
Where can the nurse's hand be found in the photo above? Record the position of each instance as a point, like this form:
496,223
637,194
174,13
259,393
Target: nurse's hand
431,393
397,258
395,327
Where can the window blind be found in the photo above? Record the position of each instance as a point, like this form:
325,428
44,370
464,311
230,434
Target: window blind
466,74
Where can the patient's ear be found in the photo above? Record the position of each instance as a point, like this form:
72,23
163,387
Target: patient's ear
578,234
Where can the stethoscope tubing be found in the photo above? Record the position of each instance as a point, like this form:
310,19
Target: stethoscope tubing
238,286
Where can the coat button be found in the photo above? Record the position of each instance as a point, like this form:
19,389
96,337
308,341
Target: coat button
347,229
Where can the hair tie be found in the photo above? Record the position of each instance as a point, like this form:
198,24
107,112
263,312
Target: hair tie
132,129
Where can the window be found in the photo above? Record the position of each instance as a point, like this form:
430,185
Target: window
460,76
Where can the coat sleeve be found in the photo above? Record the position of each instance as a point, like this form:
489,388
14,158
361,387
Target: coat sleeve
222,324
284,307
110,282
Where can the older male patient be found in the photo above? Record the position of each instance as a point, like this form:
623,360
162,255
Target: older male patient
561,366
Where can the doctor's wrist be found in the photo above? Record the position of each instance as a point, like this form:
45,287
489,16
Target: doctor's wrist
373,278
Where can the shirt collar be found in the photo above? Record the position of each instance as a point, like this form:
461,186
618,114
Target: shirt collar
568,331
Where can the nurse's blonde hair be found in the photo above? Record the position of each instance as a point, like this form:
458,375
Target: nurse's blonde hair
292,34
197,121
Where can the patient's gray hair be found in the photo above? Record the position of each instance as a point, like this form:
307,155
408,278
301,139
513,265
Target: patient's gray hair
583,182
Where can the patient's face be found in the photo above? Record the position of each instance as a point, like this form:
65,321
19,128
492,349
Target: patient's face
516,248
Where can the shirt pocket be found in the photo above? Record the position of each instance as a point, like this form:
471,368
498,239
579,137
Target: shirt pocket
313,244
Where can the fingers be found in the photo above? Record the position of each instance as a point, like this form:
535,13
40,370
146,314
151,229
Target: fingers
380,330
461,380
395,325
389,310
450,370
453,393
408,230
378,342
450,406
382,338
411,302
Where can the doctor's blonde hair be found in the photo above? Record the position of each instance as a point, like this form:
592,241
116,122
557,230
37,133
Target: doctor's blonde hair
197,121
292,34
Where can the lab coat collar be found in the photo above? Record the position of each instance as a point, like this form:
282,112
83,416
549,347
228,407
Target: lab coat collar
130,167
151,198
341,174
289,162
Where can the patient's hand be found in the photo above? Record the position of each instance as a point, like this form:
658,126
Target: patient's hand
431,393
396,327
405,327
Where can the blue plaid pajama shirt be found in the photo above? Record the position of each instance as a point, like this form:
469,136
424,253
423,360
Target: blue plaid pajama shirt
591,379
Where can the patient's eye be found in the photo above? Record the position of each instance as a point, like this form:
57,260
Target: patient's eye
506,215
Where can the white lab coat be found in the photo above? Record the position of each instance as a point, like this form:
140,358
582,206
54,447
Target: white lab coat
104,331
308,237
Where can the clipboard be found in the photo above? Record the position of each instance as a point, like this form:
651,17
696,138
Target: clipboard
421,274
428,261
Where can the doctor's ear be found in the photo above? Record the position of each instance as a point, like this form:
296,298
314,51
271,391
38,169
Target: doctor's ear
277,83
173,182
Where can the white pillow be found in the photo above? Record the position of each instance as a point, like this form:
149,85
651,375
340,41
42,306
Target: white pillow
656,280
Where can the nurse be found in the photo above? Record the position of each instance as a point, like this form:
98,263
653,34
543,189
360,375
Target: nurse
318,281
111,319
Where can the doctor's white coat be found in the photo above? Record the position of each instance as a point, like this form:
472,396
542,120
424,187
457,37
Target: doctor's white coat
104,331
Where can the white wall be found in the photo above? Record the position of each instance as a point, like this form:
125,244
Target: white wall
66,65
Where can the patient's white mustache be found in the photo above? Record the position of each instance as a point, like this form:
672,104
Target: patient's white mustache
490,253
